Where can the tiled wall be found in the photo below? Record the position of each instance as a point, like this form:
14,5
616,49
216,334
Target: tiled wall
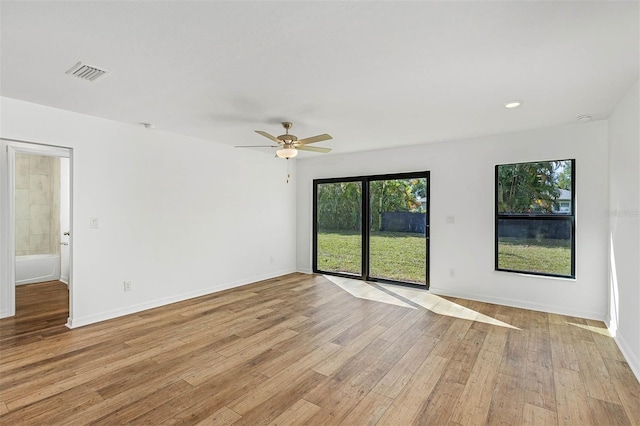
37,205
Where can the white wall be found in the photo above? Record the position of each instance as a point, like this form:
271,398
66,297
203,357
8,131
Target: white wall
462,185
178,216
624,205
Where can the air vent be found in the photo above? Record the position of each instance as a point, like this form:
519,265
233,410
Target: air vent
86,72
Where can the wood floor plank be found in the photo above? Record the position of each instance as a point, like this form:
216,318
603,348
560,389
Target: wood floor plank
627,387
572,400
507,401
400,374
298,413
464,358
562,345
56,409
440,404
298,349
607,413
594,373
533,415
134,408
277,382
369,410
202,401
223,417
398,377
334,362
280,400
473,405
338,395
408,405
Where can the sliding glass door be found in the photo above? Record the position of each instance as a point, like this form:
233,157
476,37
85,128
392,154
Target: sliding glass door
338,209
398,229
392,245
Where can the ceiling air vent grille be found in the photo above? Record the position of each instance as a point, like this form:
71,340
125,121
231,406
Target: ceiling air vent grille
86,72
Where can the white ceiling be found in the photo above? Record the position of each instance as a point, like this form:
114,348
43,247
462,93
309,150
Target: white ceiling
372,74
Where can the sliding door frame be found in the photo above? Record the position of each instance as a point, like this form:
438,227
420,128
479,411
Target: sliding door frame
365,224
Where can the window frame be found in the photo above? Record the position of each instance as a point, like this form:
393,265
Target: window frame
567,217
365,212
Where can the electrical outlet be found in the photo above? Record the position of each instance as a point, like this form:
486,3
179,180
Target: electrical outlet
127,286
452,273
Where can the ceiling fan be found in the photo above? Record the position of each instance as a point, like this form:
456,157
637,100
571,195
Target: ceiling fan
290,144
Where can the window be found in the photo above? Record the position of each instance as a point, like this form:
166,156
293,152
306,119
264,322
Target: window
535,218
391,245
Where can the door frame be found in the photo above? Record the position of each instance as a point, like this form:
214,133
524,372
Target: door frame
7,280
365,181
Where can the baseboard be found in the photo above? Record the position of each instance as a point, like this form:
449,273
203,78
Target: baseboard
632,359
607,322
128,310
64,279
305,271
5,313
515,303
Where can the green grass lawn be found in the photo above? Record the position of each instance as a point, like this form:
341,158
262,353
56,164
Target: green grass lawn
544,256
394,255
401,256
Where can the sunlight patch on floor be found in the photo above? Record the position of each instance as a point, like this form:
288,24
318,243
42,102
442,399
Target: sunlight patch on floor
442,306
362,290
598,330
436,304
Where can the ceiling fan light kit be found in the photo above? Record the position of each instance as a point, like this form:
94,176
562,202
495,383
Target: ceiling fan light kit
287,153
290,144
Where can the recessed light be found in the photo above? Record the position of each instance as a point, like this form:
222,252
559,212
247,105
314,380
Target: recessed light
149,125
513,104
584,118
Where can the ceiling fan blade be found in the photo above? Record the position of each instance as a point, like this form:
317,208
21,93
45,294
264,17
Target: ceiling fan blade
314,149
313,139
268,136
257,146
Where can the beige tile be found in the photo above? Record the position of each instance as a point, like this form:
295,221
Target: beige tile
40,165
40,189
54,239
40,220
22,204
22,171
55,206
55,185
39,244
22,235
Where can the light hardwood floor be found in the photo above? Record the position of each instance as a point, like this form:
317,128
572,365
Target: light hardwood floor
301,350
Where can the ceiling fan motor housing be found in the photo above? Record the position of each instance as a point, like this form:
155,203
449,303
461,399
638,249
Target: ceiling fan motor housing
287,138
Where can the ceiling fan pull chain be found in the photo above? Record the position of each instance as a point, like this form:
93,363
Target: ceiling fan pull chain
288,171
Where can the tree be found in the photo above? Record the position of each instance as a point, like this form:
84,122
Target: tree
393,195
527,187
564,176
339,206
339,203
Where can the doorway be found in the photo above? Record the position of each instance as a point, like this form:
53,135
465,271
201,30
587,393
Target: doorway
37,217
391,245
